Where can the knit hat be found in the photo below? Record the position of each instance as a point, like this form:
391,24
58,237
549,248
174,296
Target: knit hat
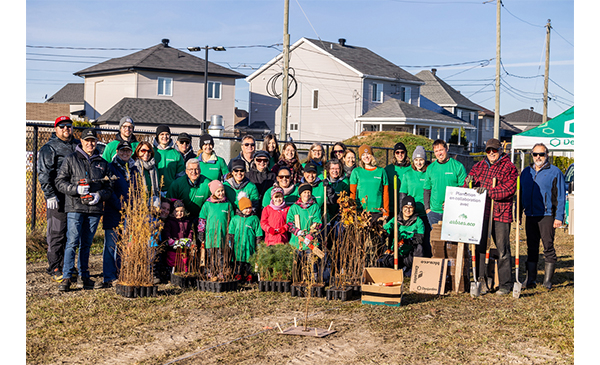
419,152
408,200
275,190
162,128
215,185
126,120
364,149
178,204
303,187
62,119
244,203
399,146
206,138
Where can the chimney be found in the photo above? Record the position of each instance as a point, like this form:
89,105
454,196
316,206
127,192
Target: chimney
165,42
342,42
433,71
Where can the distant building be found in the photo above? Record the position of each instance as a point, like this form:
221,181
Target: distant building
524,119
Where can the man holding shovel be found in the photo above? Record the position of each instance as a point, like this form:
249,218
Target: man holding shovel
496,165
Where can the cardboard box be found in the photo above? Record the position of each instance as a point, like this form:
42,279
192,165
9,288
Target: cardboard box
429,275
382,286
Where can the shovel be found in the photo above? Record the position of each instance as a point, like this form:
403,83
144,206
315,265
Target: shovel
517,285
475,285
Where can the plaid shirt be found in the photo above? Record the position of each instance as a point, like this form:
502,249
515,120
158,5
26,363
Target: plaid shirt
506,175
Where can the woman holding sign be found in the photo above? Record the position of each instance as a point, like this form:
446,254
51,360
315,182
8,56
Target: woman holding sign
496,166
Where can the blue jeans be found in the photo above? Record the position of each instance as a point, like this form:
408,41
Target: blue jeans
110,259
434,218
81,228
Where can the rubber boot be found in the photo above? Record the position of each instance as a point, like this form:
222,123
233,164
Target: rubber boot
531,274
548,274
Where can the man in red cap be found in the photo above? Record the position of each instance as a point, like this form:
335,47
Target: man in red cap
50,158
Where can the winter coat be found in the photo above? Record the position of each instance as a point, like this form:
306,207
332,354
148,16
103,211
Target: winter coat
262,179
543,192
50,158
120,192
272,219
506,175
186,155
79,165
173,230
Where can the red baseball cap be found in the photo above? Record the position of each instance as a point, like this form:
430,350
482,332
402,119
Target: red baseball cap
62,119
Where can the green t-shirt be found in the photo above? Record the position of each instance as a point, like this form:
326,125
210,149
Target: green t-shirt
369,187
192,196
250,189
213,169
169,165
217,217
245,230
110,150
405,231
307,217
289,199
439,176
412,185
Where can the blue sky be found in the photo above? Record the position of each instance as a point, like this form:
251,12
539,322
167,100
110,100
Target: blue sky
456,37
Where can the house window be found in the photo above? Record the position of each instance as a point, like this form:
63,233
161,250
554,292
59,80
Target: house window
472,117
165,86
459,113
293,127
487,124
214,90
406,94
315,99
377,96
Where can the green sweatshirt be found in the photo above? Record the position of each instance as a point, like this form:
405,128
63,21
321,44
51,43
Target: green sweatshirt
192,196
405,231
369,187
110,150
169,164
214,169
289,199
245,231
307,217
439,176
217,217
250,189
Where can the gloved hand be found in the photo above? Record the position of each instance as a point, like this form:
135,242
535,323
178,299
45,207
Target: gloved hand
469,180
52,203
271,230
301,233
480,190
276,230
83,189
95,200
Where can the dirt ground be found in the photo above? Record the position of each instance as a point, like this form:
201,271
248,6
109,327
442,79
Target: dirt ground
422,331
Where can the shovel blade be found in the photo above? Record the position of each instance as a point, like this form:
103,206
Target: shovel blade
475,289
517,289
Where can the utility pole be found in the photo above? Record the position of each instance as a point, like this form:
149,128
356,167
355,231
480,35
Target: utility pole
286,66
497,107
546,73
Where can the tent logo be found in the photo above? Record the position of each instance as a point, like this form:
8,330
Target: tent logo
570,127
555,142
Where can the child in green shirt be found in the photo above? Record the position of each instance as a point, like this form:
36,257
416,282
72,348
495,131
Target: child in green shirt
244,233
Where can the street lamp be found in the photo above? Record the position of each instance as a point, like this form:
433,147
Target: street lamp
197,49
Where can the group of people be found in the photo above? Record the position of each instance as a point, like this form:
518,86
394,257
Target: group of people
270,195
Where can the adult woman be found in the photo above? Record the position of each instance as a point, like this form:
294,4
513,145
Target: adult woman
284,181
272,147
349,162
338,150
212,166
397,168
336,182
316,155
145,163
169,162
369,185
412,185
289,159
237,185
260,174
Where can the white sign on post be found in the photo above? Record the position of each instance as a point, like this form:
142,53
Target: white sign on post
463,215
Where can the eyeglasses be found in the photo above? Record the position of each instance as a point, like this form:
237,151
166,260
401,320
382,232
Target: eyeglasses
283,176
249,144
536,154
63,126
491,150
144,151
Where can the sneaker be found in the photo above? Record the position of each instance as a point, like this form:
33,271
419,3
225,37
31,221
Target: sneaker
86,283
57,275
104,284
502,291
65,285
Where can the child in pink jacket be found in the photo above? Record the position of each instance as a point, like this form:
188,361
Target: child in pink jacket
273,219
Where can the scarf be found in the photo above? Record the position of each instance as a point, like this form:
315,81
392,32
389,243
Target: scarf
149,166
287,191
306,205
237,186
348,170
278,207
213,199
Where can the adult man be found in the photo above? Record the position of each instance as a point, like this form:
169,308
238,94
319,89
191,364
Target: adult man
169,162
496,165
192,188
543,201
247,152
260,175
184,146
50,158
126,127
443,172
84,204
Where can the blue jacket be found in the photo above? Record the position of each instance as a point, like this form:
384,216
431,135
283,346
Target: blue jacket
543,192
120,190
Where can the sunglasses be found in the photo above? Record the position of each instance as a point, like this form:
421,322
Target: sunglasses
238,171
249,144
400,152
63,126
536,154
283,176
491,150
183,142
144,151
262,160
338,151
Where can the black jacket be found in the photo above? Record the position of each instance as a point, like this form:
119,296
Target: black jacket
79,165
50,158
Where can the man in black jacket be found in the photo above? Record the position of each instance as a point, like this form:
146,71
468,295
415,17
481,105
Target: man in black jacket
83,178
50,158
261,176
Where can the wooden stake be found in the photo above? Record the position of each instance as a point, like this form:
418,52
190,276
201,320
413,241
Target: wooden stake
395,222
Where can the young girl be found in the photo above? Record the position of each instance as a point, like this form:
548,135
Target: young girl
177,231
212,223
309,215
244,233
273,219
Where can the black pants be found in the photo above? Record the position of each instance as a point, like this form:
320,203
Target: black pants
501,237
536,229
56,237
